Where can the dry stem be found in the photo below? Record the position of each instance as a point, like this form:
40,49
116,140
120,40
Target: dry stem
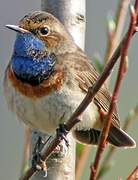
121,73
133,175
114,36
113,39
107,159
26,152
82,161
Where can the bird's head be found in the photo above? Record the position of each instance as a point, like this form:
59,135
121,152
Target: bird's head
40,38
44,31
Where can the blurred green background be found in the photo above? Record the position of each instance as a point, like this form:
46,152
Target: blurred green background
11,132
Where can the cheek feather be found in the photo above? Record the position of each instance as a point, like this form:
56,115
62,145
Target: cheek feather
52,84
52,41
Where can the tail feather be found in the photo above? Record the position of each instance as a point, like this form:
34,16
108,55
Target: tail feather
116,137
90,136
120,138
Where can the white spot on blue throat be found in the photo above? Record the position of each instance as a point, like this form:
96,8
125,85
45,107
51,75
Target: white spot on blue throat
30,62
27,42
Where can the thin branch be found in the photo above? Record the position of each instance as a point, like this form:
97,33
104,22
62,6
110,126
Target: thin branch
26,152
113,39
134,174
120,20
130,118
86,101
115,34
82,161
133,114
121,73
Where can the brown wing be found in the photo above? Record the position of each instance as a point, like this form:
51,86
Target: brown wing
87,76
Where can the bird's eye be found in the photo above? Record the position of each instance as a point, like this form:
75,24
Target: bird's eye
44,31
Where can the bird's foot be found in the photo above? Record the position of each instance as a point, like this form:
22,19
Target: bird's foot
37,161
62,132
39,164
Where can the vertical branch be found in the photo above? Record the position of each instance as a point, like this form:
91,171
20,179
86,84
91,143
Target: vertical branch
121,73
82,161
106,163
72,14
26,150
115,34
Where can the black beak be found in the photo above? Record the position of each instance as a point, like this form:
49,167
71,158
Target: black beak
17,28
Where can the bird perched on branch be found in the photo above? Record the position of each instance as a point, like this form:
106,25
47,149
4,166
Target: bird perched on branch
47,78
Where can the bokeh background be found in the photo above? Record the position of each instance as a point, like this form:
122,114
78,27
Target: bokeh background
11,131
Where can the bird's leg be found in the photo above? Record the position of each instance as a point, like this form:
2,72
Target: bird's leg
36,159
62,132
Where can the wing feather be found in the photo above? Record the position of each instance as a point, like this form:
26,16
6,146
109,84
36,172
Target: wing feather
86,76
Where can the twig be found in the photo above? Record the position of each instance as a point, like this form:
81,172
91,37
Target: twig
107,159
26,152
113,40
86,101
121,73
133,175
120,20
115,34
82,161
131,117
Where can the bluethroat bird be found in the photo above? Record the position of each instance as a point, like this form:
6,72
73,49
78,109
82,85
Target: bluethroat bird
47,78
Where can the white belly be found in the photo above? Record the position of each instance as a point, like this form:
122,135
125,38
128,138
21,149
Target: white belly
47,112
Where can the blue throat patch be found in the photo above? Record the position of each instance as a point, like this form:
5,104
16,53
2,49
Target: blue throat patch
30,62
